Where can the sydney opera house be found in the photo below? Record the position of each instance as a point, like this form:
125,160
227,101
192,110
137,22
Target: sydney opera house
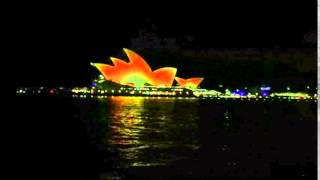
136,78
137,73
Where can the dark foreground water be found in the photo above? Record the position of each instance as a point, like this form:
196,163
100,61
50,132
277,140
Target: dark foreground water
162,138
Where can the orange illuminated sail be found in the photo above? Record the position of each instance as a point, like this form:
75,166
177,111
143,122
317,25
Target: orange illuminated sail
189,83
164,76
136,72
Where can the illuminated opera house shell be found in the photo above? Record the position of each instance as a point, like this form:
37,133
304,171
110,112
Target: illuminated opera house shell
189,83
137,72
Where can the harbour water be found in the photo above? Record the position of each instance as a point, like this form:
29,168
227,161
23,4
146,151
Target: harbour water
161,138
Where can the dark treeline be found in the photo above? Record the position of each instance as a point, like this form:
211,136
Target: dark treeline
296,68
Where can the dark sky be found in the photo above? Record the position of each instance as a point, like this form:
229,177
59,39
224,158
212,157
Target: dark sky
52,44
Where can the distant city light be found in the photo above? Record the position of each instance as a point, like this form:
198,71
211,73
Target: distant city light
239,92
266,88
85,92
101,77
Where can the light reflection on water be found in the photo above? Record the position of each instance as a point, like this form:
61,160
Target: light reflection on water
143,129
201,135
209,138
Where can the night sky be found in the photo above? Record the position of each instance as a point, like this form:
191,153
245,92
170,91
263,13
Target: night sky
53,44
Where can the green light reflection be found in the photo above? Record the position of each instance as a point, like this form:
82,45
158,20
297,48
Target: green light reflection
143,129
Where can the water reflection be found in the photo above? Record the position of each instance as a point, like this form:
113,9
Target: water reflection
188,136
127,120
207,138
143,130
